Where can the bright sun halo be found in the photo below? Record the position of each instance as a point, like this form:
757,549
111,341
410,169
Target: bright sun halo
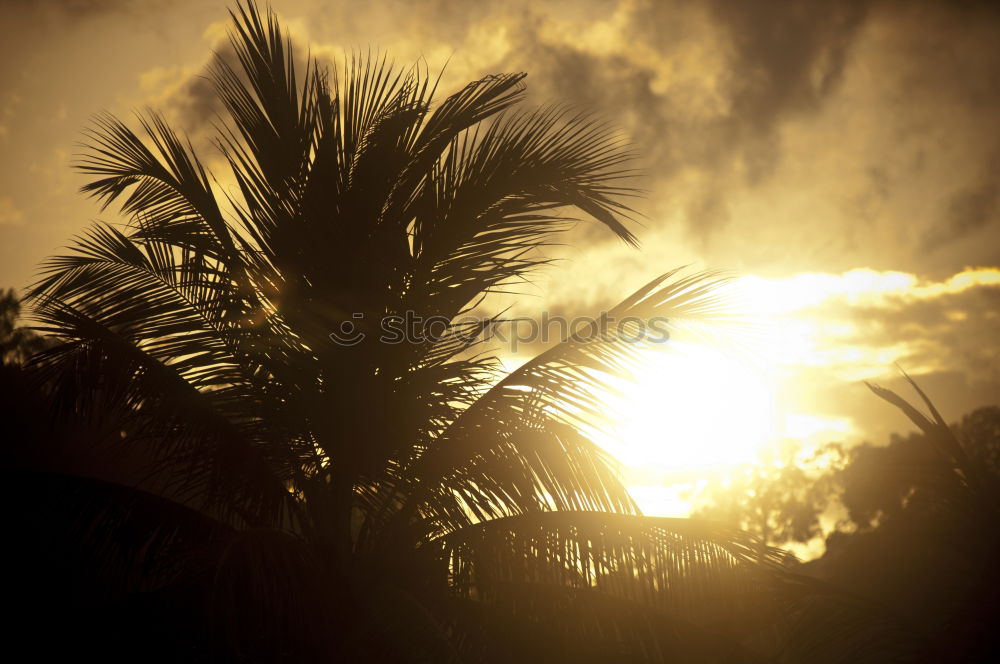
692,409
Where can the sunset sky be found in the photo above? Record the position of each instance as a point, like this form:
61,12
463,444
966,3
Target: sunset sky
842,160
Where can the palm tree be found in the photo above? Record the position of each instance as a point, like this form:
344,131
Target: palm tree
279,495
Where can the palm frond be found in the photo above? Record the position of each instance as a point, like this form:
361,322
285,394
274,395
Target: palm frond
698,571
563,389
966,484
169,185
499,194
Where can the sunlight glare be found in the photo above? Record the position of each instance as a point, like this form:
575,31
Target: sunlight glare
695,408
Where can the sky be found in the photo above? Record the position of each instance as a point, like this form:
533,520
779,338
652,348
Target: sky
841,160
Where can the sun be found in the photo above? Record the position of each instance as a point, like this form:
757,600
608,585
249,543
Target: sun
692,409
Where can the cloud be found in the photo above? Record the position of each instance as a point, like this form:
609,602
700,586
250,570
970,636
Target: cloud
788,55
694,87
855,327
698,92
856,132
9,214
851,131
969,209
185,95
954,330
823,334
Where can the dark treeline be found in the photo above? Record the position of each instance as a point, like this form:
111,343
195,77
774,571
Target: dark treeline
924,546
909,538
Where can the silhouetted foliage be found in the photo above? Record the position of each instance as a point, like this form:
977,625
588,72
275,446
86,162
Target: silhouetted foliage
919,533
879,483
242,488
17,343
926,510
780,500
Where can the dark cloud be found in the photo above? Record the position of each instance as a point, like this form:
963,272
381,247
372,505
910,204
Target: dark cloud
969,209
869,202
789,55
957,330
196,104
779,58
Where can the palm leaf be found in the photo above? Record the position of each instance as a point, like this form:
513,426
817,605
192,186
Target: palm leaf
557,395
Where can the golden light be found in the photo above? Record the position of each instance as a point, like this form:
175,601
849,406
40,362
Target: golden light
700,408
703,406
694,408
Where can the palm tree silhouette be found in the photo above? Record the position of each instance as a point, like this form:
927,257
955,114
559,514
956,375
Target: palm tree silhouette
286,496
